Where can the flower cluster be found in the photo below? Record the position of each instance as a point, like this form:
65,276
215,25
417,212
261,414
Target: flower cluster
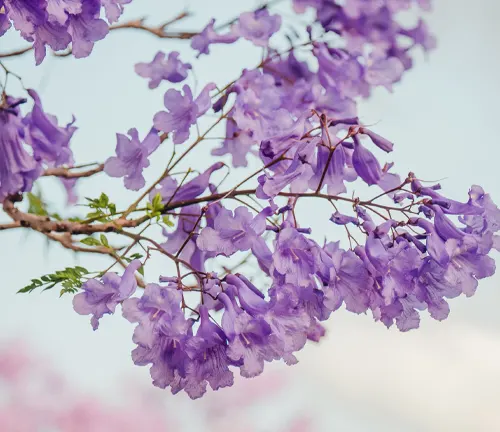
59,23
29,143
401,269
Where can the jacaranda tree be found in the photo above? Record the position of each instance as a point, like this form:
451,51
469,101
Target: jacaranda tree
405,246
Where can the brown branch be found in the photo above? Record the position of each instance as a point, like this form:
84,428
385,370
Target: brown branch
159,248
158,31
16,53
69,174
234,193
46,225
7,226
66,241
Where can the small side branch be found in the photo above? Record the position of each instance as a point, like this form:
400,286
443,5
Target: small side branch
69,173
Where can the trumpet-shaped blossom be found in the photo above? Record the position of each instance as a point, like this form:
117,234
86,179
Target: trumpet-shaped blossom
232,233
163,69
18,169
183,112
132,156
49,141
101,297
259,26
208,36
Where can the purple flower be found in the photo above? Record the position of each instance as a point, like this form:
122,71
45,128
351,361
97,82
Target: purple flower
185,225
238,143
399,274
186,231
297,175
257,95
208,359
384,71
448,206
347,280
114,9
340,70
467,266
258,26
59,10
366,164
487,223
336,172
26,15
435,245
18,170
132,157
183,111
232,233
403,311
381,142
289,322
209,36
86,28
421,36
53,34
49,141
57,23
249,338
286,314
161,334
355,8
170,69
293,257
390,181
101,297
445,226
4,19
341,219
301,5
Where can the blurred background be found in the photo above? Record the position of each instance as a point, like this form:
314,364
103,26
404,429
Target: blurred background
445,376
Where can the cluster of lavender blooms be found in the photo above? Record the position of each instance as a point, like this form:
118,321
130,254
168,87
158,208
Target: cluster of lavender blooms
57,23
30,143
410,247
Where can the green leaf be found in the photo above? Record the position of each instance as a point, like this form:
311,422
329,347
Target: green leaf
102,208
95,214
167,221
104,241
70,278
81,270
36,205
103,200
35,283
90,241
141,270
157,204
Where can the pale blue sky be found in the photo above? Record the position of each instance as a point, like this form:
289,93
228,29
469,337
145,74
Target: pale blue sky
443,120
